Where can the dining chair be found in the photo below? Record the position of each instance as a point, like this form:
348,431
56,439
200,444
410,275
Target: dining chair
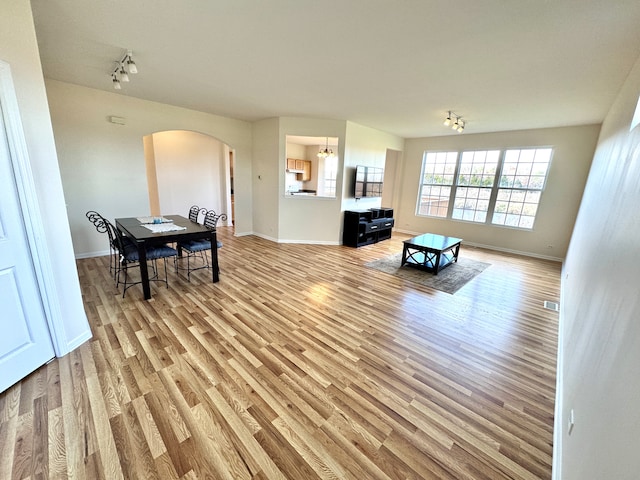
194,213
129,257
102,226
196,249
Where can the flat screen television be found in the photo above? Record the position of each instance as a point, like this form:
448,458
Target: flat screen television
368,181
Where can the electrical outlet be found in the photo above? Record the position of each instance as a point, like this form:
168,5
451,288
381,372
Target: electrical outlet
572,421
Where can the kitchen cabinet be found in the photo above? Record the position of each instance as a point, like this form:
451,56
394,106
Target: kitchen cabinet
291,164
306,173
302,168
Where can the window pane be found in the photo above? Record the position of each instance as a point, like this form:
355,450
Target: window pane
434,201
476,176
438,169
525,171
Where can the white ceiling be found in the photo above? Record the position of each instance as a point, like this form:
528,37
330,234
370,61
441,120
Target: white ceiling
397,66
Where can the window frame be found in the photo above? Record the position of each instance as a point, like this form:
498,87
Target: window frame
495,188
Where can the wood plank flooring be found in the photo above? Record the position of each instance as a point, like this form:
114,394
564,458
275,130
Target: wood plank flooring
301,363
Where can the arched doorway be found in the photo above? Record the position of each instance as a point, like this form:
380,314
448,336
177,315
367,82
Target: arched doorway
187,168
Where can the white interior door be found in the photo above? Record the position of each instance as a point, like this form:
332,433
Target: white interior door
25,341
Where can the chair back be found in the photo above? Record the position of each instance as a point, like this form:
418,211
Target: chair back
101,223
211,219
194,213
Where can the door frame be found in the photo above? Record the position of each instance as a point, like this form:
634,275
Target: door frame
28,200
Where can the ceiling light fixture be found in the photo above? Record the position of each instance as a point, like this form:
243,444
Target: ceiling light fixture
458,123
327,152
122,70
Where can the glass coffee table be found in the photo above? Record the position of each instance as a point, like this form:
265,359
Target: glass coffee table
430,252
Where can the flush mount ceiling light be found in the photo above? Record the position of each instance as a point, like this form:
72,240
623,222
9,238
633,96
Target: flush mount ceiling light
326,152
458,123
122,70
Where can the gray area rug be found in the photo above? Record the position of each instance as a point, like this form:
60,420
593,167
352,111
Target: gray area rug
449,280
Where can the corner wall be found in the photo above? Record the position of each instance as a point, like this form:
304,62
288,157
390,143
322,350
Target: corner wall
574,147
18,47
103,164
599,351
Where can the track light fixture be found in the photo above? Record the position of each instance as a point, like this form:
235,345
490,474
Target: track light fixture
458,123
122,70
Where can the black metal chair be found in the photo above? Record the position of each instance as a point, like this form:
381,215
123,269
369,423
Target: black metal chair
128,256
196,249
102,226
194,213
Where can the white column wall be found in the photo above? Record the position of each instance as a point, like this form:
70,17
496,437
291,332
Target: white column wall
599,351
19,48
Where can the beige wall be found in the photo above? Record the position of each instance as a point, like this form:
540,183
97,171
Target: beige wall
103,164
308,219
19,49
189,170
365,146
574,147
599,353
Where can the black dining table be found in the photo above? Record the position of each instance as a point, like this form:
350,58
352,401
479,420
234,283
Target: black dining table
143,237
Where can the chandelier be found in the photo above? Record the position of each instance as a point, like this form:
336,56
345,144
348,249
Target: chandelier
326,152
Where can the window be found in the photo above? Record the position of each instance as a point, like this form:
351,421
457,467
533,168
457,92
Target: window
438,171
475,181
330,176
465,186
524,173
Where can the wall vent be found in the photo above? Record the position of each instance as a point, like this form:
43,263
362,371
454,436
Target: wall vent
551,306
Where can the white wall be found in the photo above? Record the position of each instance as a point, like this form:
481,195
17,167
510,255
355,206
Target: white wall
189,170
103,164
307,219
574,147
18,47
365,146
599,358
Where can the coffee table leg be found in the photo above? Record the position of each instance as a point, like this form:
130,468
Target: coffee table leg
436,267
404,255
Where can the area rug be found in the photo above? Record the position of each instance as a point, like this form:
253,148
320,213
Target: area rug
449,280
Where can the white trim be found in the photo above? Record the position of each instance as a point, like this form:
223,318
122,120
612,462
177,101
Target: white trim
558,419
28,200
101,253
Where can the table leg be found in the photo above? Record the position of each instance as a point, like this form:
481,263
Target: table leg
144,271
215,270
404,255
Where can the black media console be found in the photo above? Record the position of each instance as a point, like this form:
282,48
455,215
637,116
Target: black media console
363,227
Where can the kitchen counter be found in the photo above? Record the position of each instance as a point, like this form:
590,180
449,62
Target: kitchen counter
306,193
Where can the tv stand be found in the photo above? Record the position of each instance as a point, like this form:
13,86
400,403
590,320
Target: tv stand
364,227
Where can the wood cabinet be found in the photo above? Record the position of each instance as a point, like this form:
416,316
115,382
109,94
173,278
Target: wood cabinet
302,168
291,163
306,174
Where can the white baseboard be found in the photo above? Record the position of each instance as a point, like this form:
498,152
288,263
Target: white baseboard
493,247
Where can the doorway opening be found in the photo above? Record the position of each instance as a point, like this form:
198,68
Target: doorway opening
186,168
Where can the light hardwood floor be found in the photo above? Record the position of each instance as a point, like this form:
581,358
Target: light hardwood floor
301,363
